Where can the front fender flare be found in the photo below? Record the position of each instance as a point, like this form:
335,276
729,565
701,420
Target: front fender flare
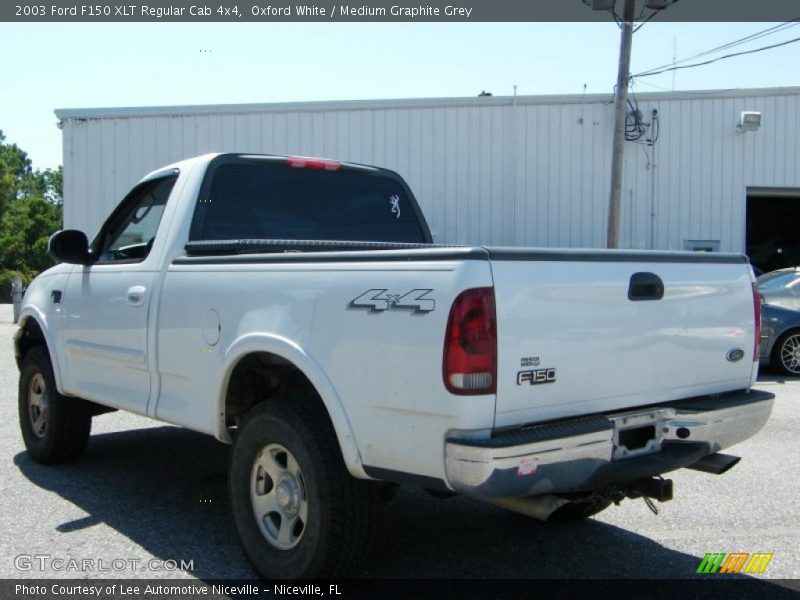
31,312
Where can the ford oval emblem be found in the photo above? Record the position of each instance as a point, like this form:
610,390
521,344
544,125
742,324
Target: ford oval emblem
734,354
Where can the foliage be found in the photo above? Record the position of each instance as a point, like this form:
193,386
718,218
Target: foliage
15,167
30,211
45,184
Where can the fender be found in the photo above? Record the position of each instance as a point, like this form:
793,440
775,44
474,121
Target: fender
30,311
290,351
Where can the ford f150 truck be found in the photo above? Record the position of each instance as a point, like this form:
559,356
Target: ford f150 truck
297,308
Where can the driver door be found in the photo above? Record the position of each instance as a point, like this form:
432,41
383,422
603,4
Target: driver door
105,305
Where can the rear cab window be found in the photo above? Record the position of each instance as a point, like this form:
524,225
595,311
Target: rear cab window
266,198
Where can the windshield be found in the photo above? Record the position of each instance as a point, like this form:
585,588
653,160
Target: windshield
777,279
269,200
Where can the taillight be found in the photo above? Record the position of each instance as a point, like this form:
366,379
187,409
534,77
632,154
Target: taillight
470,344
757,317
320,164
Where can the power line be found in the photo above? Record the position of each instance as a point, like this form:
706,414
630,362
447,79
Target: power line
655,87
749,38
713,60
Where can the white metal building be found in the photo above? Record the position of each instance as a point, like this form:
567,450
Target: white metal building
531,170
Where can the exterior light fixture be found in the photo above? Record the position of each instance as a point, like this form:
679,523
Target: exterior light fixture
749,120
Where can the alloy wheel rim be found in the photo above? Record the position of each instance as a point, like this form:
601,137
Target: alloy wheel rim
278,496
790,354
38,405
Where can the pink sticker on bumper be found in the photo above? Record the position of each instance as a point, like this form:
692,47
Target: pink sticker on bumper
527,466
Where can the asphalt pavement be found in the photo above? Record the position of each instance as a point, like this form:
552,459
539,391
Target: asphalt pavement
149,491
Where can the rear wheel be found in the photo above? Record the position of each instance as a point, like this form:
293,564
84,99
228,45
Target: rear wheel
786,353
55,428
298,511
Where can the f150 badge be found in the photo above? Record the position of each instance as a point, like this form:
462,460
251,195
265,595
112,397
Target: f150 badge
381,299
536,376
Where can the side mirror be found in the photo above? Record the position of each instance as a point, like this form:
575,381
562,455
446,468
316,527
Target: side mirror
69,246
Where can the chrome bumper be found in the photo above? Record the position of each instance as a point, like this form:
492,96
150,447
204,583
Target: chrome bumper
588,452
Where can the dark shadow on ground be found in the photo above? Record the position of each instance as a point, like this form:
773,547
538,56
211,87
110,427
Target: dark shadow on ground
768,375
165,489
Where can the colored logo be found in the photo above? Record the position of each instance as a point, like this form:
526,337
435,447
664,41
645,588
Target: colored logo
734,562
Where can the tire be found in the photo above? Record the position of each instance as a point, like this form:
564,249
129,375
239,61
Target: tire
786,353
298,511
55,428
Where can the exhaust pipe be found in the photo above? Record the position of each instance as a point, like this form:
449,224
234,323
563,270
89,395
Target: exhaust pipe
559,509
538,507
716,464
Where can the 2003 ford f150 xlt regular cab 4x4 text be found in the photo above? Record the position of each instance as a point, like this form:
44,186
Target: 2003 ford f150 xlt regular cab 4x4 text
297,308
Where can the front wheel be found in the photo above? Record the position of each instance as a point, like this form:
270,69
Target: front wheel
55,428
298,511
786,354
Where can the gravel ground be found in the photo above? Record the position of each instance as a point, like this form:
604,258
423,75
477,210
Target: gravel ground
146,491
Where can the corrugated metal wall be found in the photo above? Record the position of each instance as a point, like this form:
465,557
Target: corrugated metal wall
485,170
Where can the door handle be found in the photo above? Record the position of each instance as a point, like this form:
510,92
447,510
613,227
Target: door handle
645,286
136,295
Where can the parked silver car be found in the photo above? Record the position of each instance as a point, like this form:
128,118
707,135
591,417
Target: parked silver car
781,288
780,339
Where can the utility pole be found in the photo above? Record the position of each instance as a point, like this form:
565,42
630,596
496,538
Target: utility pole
674,58
620,111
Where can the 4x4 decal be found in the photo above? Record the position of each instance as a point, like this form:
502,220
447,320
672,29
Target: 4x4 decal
380,299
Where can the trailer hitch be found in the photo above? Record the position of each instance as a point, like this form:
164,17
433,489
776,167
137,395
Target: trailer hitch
655,488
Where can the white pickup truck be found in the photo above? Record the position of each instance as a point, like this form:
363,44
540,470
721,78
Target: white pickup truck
297,309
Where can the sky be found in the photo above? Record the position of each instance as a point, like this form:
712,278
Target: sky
81,65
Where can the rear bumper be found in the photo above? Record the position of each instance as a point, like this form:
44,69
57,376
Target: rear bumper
586,453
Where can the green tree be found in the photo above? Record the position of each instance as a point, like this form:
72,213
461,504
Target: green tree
25,228
15,167
45,184
30,211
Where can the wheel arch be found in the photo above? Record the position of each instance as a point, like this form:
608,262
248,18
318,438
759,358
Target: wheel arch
33,331
283,349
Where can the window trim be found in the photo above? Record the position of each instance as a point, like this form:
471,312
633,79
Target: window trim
121,211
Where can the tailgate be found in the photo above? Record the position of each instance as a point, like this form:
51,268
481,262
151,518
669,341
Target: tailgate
582,332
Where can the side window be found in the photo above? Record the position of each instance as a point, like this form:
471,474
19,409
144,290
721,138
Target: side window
130,232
